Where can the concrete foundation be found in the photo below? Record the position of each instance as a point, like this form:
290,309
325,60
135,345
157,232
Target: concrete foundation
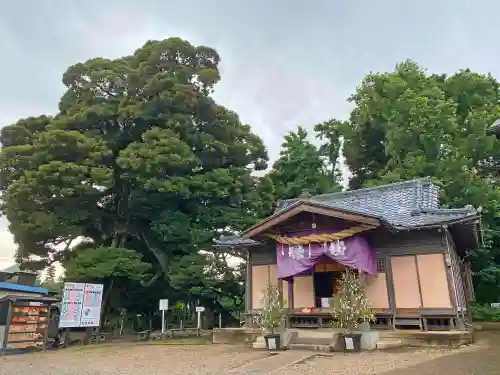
439,339
235,336
331,340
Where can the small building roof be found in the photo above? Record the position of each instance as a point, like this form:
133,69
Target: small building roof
16,269
43,299
23,288
403,205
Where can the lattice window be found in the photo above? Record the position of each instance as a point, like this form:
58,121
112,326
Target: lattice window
380,265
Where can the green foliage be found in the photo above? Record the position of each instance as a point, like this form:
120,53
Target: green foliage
302,168
274,312
99,264
408,124
485,313
143,164
350,307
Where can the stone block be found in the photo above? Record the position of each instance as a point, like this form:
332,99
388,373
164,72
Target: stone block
369,340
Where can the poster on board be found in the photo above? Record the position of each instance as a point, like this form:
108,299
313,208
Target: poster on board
81,305
71,305
91,310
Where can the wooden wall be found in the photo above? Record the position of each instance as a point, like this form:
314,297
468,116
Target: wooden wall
414,272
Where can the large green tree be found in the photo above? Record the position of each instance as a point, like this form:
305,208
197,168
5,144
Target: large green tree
302,168
408,123
139,156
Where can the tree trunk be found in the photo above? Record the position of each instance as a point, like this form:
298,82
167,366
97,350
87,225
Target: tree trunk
105,304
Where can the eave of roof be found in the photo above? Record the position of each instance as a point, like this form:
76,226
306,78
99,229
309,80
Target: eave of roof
231,241
43,299
23,288
308,206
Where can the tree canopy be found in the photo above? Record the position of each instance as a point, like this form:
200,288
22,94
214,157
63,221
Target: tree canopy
302,168
408,124
142,165
139,156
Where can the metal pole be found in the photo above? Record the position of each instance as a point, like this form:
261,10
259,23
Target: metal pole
199,319
46,333
220,320
162,322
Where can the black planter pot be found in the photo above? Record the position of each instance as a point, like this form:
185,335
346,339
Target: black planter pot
273,341
352,342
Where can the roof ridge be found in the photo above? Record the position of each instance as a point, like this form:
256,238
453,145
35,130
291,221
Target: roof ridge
461,210
417,181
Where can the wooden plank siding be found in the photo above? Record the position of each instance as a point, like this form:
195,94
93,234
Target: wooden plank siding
430,241
387,245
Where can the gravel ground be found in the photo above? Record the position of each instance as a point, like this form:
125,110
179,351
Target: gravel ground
482,358
367,363
131,359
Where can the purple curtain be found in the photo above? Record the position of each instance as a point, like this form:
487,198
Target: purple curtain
354,252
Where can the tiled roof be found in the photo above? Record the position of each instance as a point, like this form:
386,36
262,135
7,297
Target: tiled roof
404,205
15,269
229,241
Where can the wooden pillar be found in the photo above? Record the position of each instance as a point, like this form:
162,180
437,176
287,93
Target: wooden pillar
248,292
290,293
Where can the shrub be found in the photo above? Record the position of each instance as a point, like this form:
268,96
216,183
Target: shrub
485,313
350,307
274,312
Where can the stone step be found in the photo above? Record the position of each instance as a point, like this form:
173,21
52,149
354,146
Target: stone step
308,340
311,347
259,343
389,344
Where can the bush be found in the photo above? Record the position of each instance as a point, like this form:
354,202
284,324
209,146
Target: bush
485,313
350,305
274,312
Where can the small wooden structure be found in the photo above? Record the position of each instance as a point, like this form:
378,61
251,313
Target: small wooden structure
24,322
411,251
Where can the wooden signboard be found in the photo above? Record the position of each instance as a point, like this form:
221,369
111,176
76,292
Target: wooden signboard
27,327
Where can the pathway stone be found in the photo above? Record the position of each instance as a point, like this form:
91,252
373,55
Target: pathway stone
272,363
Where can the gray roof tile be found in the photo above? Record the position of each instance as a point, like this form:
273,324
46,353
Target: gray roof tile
404,205
229,241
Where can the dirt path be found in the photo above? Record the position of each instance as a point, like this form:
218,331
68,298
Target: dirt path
483,361
131,359
482,358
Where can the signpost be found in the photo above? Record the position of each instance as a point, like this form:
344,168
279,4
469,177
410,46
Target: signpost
163,308
199,310
81,305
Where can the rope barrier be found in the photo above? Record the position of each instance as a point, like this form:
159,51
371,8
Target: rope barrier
315,238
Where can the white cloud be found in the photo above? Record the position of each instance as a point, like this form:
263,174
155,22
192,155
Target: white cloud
7,245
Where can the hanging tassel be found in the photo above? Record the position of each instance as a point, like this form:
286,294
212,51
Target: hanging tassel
309,250
282,250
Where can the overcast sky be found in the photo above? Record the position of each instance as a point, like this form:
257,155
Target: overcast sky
284,62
